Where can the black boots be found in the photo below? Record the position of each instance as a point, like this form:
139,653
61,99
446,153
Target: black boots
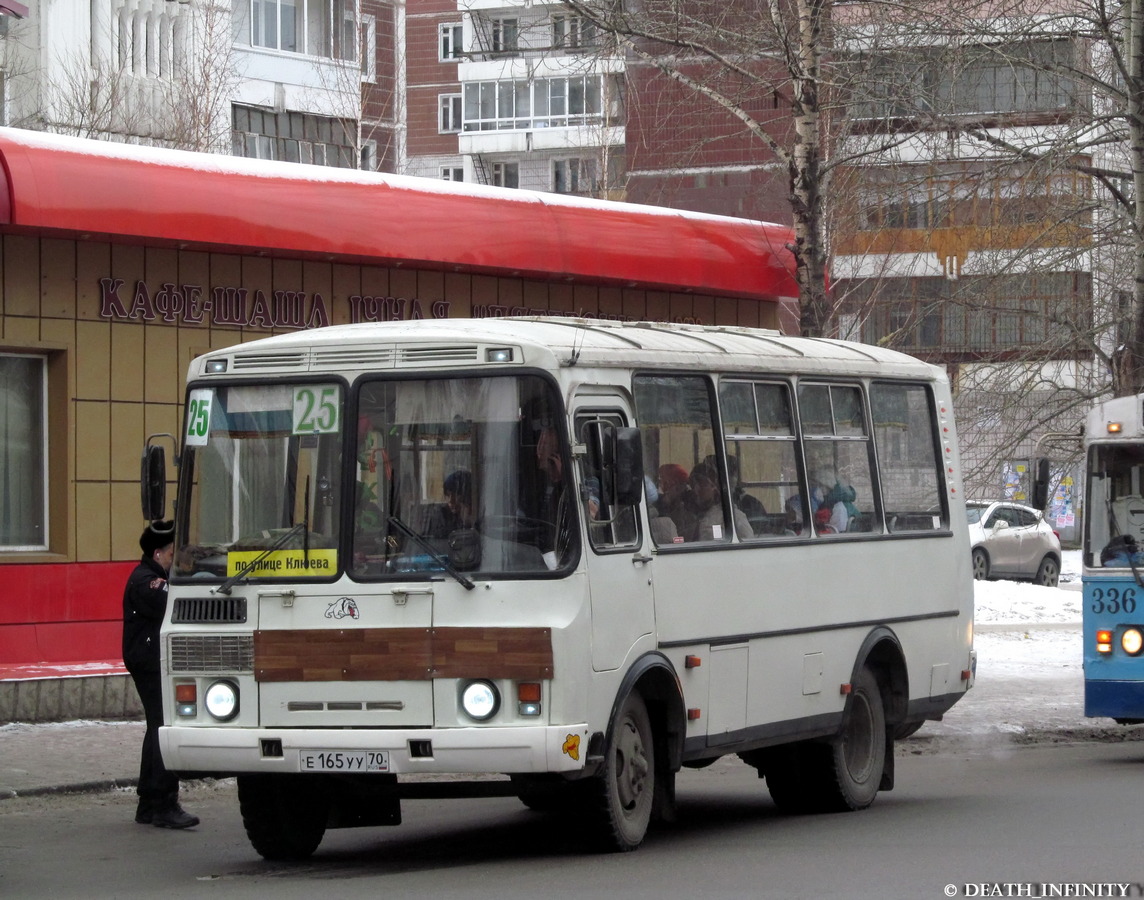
167,815
173,816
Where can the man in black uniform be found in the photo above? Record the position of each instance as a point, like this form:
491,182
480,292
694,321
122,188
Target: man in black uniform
144,603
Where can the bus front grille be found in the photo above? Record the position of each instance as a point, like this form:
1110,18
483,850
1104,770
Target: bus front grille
211,653
194,610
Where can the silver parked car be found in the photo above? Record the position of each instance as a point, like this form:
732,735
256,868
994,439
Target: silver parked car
1010,540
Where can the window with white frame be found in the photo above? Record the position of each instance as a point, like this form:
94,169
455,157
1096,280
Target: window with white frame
573,32
506,174
325,28
368,48
449,42
369,156
449,121
540,103
505,35
453,173
574,176
293,137
23,452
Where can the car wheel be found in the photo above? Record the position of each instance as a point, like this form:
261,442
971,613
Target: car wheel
980,564
1049,572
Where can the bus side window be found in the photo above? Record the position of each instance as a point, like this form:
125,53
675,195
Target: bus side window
839,457
762,453
676,420
905,428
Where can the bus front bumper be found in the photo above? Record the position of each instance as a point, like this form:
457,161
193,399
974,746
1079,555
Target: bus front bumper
227,751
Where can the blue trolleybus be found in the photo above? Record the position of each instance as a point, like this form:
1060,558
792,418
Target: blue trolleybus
1114,561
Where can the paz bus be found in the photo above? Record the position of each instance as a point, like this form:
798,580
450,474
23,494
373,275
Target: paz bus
560,559
1113,561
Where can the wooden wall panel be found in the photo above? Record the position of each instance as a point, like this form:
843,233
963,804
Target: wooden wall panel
402,654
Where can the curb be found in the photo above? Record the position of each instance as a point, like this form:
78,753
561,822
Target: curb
82,787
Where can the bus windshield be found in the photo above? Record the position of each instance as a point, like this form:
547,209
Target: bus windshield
265,465
1116,507
461,473
445,475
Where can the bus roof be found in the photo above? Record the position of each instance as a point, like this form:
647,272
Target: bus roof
63,186
556,341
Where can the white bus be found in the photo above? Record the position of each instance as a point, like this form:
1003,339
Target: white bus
563,557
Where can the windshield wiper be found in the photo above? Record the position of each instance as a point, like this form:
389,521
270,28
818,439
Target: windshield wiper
467,583
226,586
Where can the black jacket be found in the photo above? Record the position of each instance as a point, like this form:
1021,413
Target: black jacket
144,602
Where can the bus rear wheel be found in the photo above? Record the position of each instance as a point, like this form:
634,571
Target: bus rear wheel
284,816
626,786
833,776
858,754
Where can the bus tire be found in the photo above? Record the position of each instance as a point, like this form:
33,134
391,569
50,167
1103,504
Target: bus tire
626,785
858,753
548,795
284,816
795,775
904,730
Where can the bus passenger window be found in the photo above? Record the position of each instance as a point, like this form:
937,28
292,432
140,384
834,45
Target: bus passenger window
905,426
762,458
839,458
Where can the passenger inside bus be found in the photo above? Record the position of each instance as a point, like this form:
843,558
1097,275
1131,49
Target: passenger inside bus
833,503
709,522
674,503
751,505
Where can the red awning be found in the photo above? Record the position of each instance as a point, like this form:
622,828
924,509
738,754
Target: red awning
120,192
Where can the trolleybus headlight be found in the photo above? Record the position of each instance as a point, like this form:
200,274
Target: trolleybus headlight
1132,641
221,700
480,700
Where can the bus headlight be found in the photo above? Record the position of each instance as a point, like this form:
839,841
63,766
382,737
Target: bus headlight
480,700
1132,641
221,700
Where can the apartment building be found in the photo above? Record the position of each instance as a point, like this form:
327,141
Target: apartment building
974,259
525,95
312,81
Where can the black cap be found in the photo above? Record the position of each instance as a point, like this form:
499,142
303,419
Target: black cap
156,536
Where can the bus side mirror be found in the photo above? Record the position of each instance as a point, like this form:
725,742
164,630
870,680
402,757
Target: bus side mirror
153,483
1041,484
615,457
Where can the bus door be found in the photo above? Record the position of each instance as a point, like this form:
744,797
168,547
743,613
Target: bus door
619,578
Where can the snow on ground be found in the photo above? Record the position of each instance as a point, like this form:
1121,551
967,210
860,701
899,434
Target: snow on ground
1029,668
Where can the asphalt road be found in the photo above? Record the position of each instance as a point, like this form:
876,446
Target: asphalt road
983,811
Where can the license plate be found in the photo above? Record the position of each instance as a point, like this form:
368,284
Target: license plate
344,761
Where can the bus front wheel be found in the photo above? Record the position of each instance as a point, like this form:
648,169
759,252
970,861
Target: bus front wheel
284,816
627,783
